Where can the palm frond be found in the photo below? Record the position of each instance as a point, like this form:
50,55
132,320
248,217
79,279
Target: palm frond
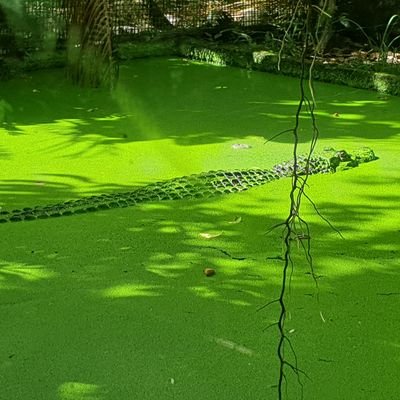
90,49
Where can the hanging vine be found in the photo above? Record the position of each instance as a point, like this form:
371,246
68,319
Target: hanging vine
295,228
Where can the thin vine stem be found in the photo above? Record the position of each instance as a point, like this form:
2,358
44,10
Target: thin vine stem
295,227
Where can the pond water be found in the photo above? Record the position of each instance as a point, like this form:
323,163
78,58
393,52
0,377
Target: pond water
167,117
115,304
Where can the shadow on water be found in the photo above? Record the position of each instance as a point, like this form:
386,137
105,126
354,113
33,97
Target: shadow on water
115,303
4,154
136,315
189,103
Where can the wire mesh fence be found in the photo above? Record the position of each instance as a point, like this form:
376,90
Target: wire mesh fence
31,25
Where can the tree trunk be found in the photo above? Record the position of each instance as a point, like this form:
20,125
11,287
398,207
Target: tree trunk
323,30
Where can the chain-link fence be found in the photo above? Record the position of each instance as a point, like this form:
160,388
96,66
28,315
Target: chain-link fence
31,25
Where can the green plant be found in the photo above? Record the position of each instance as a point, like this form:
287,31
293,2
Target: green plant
381,43
384,46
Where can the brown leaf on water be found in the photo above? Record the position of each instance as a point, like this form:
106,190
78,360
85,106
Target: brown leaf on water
206,235
209,271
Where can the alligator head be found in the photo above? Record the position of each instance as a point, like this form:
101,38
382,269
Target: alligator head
342,160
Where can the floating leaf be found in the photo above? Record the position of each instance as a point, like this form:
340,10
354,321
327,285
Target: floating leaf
237,220
206,235
239,146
